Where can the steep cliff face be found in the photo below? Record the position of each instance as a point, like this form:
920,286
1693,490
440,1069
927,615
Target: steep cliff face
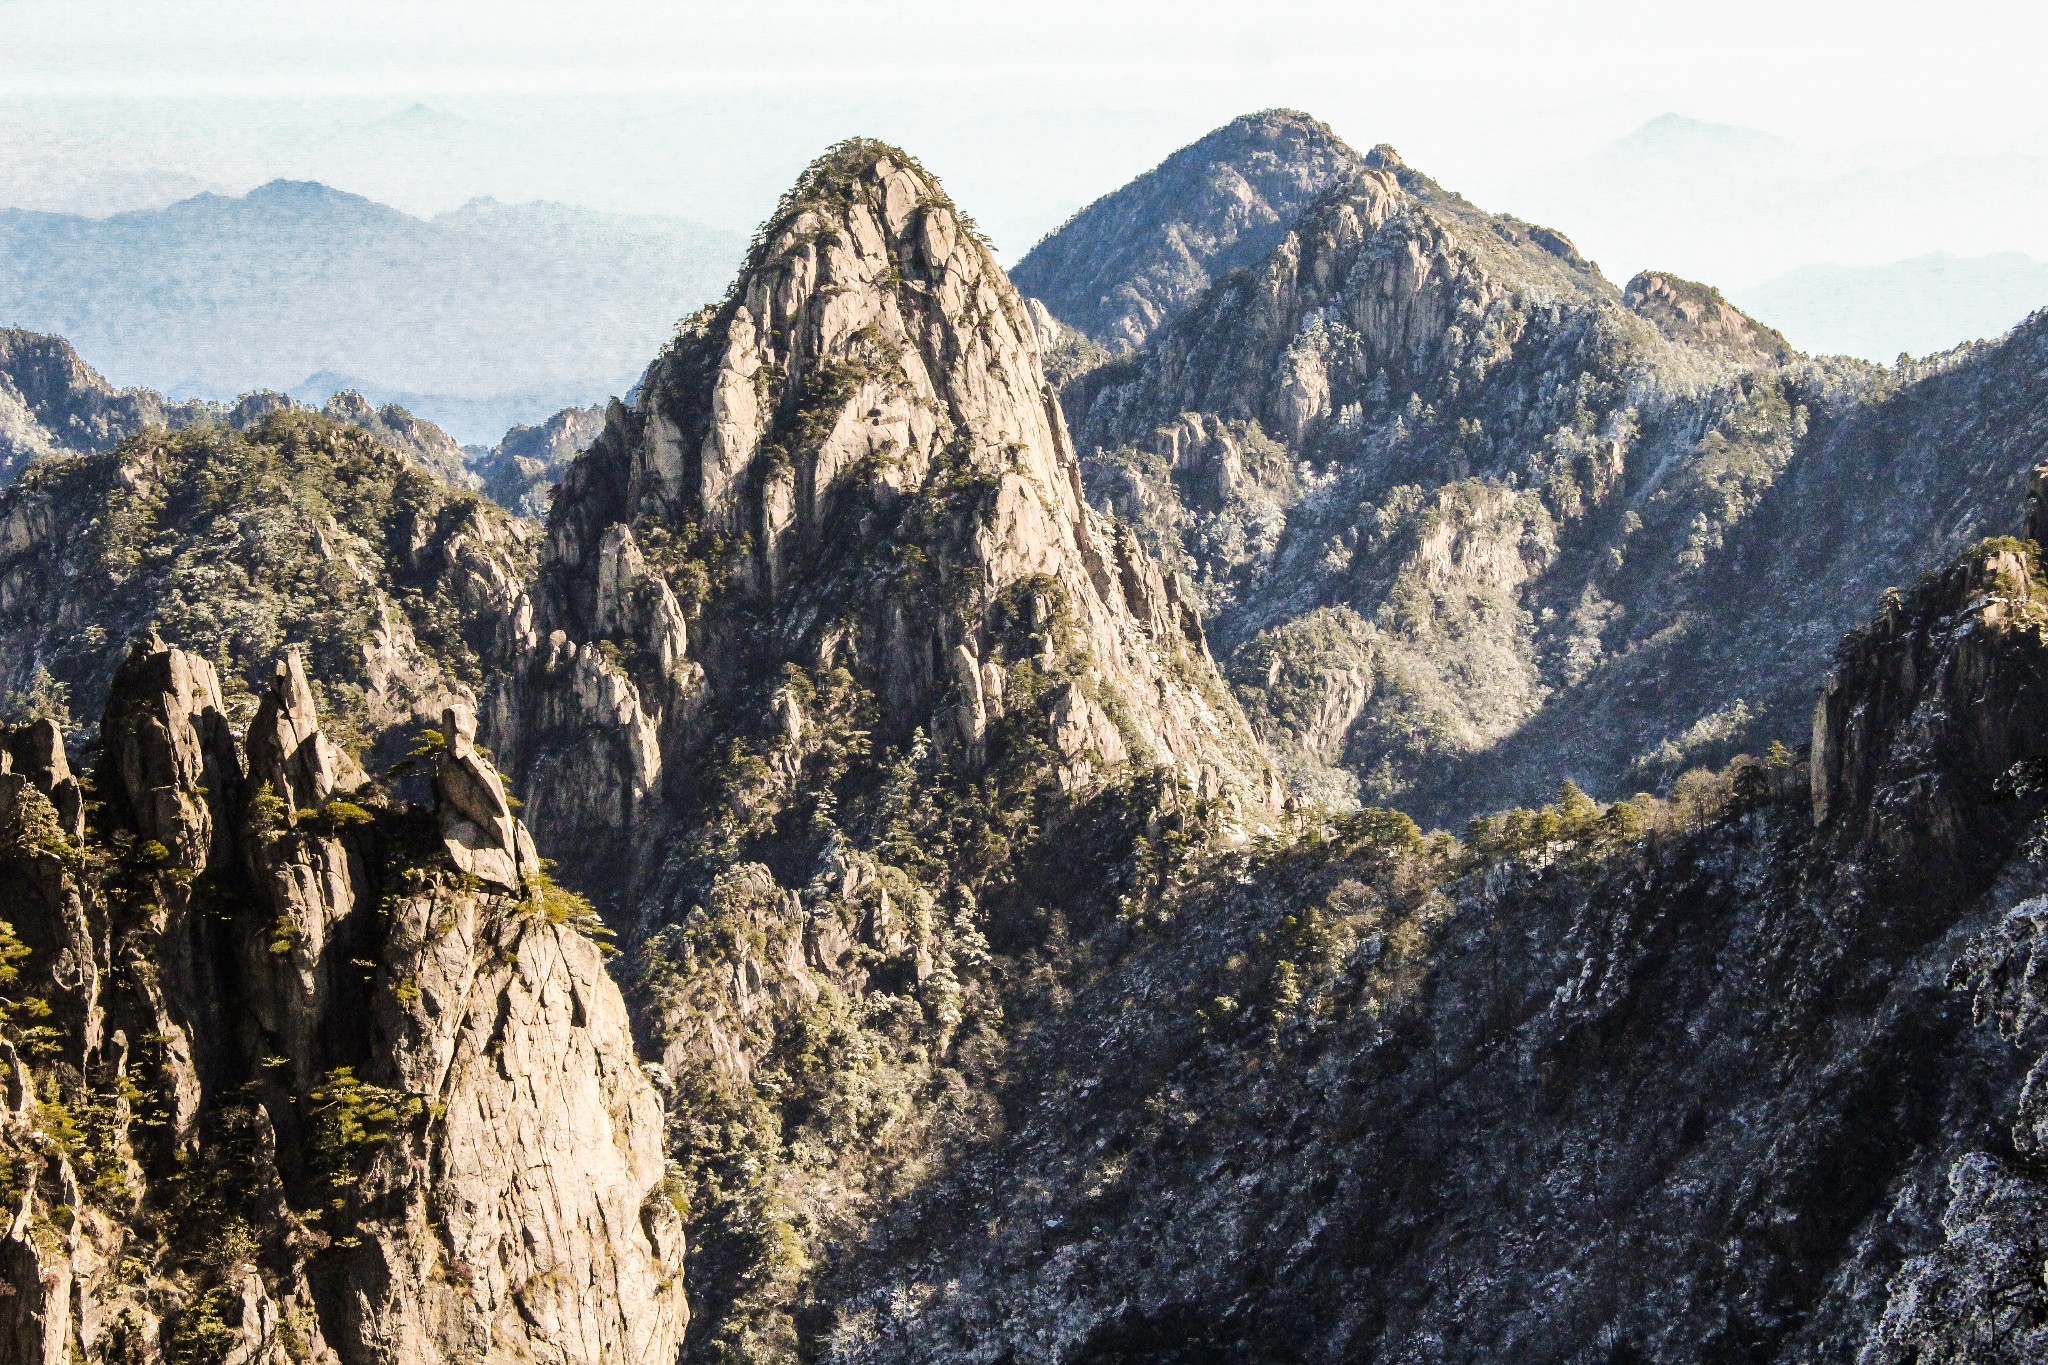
1136,258
52,402
236,539
835,688
326,1077
1579,1090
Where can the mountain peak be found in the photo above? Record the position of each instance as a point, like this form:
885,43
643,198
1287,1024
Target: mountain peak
850,162
1140,256
282,191
860,454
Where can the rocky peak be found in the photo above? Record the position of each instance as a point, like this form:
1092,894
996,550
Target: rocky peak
1446,423
171,752
856,461
32,756
1140,256
824,599
287,750
1696,315
432,447
521,471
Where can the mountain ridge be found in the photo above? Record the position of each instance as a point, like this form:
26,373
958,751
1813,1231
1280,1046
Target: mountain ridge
998,1001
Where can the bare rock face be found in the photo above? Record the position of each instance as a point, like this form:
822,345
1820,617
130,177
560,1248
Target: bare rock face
477,824
167,736
287,749
35,752
860,452
825,590
394,1070
1941,703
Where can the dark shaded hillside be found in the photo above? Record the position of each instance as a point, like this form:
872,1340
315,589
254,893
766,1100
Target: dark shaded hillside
1702,1094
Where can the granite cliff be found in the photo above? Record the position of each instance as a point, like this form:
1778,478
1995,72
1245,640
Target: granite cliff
320,1075
833,685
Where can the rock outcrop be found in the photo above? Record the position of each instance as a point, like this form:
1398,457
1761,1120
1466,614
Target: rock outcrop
317,1091
1696,314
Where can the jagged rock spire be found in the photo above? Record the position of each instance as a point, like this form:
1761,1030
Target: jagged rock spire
477,825
502,1192
167,740
287,749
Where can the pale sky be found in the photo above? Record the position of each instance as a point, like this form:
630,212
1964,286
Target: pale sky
1029,111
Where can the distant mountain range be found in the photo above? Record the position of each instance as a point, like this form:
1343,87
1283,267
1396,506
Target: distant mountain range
1739,206
54,172
1921,306
480,318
